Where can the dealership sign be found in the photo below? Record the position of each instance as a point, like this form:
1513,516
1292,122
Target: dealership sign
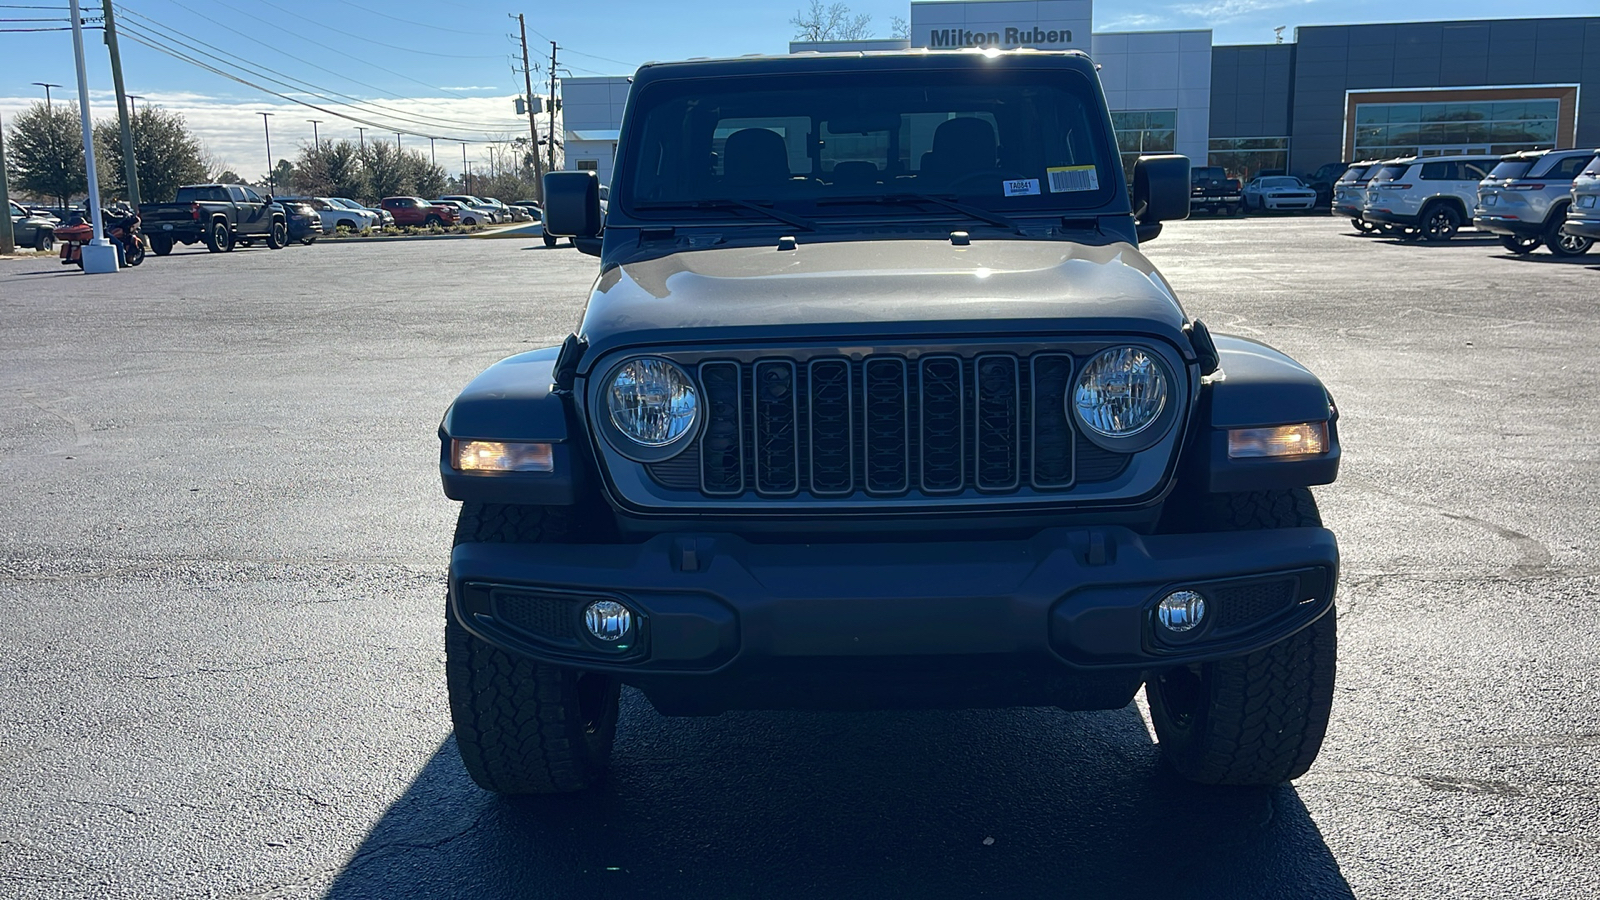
1054,25
1006,39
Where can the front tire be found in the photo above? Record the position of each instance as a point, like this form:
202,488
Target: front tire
432,221
278,235
134,254
523,727
1257,719
44,241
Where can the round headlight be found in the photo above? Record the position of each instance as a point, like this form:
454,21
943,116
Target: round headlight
652,401
1121,392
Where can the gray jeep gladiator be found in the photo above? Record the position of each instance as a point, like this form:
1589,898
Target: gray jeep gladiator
876,404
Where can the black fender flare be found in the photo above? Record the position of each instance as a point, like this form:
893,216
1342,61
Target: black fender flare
516,399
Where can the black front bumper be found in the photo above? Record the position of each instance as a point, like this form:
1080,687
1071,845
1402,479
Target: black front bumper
1064,618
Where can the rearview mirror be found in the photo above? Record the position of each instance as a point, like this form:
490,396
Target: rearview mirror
1160,192
572,204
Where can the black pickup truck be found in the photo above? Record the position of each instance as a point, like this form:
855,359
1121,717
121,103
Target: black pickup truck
221,215
1210,188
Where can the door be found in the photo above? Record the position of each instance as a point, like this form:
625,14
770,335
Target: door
254,213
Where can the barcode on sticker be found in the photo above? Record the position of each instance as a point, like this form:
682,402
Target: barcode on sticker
1073,178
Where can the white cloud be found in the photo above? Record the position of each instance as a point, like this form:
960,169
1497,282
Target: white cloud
1228,10
1137,20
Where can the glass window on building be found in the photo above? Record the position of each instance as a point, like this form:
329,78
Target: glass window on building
1244,158
1143,132
1389,130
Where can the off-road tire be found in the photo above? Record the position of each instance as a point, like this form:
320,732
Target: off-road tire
523,727
219,237
278,235
1520,245
161,245
1258,719
1440,222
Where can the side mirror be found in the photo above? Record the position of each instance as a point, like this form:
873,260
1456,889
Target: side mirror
1160,192
572,204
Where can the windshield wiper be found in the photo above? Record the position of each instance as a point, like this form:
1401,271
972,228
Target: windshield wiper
973,212
731,203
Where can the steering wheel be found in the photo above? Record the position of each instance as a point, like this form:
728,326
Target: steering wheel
991,175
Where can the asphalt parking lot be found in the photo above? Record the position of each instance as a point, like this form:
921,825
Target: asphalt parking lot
222,546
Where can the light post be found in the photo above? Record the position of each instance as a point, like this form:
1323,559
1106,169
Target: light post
47,86
272,182
134,107
397,140
362,132
315,141
99,257
466,171
433,151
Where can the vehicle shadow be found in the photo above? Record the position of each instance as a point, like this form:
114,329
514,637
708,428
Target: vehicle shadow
1549,259
1008,803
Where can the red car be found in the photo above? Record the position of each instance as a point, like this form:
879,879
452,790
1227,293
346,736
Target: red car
417,211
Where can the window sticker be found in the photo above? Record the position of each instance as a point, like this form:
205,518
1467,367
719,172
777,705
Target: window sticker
1022,187
1073,178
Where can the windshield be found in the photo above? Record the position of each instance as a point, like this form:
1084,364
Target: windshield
1390,173
1020,140
1511,168
1354,173
1282,181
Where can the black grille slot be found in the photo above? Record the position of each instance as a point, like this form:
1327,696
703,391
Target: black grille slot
777,445
887,414
999,436
722,445
832,431
541,615
1246,604
681,473
1096,464
943,390
1052,429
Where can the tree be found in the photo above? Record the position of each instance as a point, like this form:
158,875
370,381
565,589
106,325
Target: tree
168,155
389,173
830,23
228,176
46,152
282,176
899,28
330,170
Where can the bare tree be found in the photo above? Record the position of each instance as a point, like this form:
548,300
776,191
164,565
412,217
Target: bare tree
830,23
899,28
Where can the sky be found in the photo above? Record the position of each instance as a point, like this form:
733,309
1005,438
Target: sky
450,68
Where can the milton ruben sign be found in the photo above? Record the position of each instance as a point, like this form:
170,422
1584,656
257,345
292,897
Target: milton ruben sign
1008,39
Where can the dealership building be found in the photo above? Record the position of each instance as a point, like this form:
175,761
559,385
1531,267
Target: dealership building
1332,93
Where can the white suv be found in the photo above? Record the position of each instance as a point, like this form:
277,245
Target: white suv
1583,217
1525,200
1426,196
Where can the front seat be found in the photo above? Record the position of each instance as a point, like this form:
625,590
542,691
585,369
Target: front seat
960,148
755,162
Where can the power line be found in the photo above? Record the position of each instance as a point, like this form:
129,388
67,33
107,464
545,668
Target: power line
417,24
358,37
238,62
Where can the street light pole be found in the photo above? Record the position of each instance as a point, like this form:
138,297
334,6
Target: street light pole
363,134
397,140
272,182
47,86
466,172
99,257
315,141
133,108
433,151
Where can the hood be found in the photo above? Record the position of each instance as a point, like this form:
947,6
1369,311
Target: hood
889,288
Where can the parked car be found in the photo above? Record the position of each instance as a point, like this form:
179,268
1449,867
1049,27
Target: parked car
305,222
1583,216
221,215
731,489
417,211
1211,189
1426,197
1323,180
500,209
1277,192
336,215
1347,192
491,214
469,215
29,230
385,218
1525,199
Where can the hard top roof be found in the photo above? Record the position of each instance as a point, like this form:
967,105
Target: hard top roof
862,60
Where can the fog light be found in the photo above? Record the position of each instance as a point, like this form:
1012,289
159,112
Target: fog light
608,620
1181,611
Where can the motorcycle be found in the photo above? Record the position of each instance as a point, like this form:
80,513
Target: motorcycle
121,227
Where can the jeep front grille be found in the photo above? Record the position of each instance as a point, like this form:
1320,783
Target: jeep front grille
887,425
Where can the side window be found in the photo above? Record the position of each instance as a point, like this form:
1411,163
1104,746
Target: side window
1567,169
588,165
1437,171
251,196
236,194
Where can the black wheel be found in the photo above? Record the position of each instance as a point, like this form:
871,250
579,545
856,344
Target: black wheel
278,235
161,244
432,221
1440,222
1559,242
522,727
1520,245
134,255
44,241
219,238
1257,719
550,240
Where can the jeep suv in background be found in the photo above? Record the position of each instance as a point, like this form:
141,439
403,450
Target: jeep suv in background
1211,189
1525,198
876,403
1426,197
1583,216
1347,192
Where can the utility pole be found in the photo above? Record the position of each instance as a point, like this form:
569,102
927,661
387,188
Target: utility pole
315,140
133,108
397,140
99,257
466,171
272,180
533,130
552,106
130,163
8,238
47,86
433,151
363,134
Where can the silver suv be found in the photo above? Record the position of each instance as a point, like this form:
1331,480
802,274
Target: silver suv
1583,216
1347,193
1425,197
1525,199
